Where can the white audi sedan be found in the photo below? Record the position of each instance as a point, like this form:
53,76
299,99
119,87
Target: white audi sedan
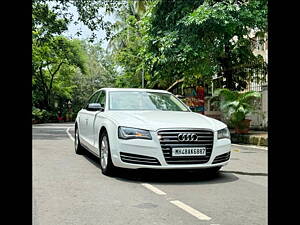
144,128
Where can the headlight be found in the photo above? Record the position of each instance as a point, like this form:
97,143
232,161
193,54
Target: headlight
132,133
224,133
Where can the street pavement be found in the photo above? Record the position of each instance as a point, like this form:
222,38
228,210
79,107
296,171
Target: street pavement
70,188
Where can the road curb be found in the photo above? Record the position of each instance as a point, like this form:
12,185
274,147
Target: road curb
250,146
251,139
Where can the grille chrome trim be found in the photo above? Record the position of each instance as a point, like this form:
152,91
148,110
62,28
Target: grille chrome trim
169,139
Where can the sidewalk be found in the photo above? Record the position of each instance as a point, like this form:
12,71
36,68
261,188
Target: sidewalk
259,138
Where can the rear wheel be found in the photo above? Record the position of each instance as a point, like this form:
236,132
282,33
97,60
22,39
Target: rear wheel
106,164
78,147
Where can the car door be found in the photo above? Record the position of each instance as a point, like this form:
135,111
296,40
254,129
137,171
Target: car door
83,119
91,117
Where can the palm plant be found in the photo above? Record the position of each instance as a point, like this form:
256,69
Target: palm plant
236,106
120,38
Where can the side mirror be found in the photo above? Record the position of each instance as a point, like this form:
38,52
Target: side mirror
95,107
179,96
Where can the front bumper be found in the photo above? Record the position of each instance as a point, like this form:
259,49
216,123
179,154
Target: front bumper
152,148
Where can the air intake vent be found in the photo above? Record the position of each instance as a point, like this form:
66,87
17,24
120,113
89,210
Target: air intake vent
222,158
138,159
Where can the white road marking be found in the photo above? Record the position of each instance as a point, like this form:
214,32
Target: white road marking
154,189
41,134
251,146
179,204
49,127
190,210
70,136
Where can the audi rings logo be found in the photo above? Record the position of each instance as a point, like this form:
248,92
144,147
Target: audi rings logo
187,137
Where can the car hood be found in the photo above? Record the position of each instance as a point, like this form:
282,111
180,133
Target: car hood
154,120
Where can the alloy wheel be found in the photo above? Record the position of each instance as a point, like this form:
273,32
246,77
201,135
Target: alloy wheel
76,139
104,152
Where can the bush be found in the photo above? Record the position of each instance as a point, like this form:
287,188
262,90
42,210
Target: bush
43,116
235,105
39,114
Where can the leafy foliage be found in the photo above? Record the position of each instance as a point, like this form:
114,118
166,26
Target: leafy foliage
38,114
235,105
52,65
199,39
127,44
51,17
45,22
59,63
166,41
100,73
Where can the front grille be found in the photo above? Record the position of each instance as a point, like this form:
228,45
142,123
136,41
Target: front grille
138,159
169,140
222,158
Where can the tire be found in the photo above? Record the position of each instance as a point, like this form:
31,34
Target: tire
106,164
79,150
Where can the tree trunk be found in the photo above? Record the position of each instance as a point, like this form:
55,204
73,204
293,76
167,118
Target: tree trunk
44,89
226,69
51,85
175,83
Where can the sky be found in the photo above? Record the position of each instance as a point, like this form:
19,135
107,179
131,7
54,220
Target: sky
86,33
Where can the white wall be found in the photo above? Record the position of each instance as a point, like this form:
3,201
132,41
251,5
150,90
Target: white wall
260,120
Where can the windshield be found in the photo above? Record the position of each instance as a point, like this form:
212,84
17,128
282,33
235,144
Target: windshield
142,100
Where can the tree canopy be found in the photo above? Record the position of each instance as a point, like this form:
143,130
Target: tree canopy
166,42
196,40
52,63
52,17
61,67
100,73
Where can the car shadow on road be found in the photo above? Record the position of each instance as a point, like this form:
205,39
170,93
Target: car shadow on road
171,177
92,159
174,177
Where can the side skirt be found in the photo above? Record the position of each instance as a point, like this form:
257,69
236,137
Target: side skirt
88,149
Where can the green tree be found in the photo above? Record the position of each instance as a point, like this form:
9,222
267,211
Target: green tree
52,63
52,17
46,23
58,61
121,28
100,72
196,40
127,43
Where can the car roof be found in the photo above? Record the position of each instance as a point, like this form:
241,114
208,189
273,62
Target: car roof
134,89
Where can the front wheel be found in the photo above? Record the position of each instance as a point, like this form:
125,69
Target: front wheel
106,164
78,147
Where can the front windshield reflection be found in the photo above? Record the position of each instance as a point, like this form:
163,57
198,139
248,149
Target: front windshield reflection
142,100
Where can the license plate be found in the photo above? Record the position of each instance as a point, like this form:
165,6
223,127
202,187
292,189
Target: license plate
200,151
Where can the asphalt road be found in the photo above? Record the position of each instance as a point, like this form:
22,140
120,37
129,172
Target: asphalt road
70,189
